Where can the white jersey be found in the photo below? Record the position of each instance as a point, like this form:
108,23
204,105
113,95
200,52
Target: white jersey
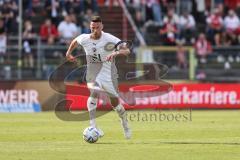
96,53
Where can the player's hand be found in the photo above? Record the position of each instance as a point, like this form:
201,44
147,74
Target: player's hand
111,56
70,58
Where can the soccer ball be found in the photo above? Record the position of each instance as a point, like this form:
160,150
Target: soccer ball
90,135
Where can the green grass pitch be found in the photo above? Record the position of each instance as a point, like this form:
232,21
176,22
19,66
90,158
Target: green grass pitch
209,134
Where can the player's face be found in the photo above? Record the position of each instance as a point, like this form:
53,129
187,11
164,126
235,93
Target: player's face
96,28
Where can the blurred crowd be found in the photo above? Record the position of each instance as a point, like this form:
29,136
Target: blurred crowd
61,23
220,23
196,23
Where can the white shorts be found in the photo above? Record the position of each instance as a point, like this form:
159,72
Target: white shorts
109,87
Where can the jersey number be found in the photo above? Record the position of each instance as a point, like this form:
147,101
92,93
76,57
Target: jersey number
96,58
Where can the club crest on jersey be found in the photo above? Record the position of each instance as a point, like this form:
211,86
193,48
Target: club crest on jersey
109,46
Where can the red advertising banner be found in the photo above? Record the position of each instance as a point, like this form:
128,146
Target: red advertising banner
181,96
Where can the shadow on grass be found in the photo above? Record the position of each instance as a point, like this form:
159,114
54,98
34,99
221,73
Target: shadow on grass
173,143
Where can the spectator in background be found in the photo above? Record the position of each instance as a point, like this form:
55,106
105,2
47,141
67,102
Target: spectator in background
73,6
165,4
8,11
232,27
28,39
101,2
89,4
138,6
86,21
238,9
187,27
217,2
76,21
139,21
202,47
221,9
3,41
215,27
181,56
228,39
186,6
155,7
48,32
69,6
67,30
80,7
169,32
231,4
171,17
199,13
27,7
111,3
53,8
138,10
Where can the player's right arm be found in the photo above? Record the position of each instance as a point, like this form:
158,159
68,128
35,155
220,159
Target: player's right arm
74,44
71,47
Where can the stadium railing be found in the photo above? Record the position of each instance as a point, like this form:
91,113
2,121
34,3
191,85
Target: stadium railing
46,58
222,65
167,56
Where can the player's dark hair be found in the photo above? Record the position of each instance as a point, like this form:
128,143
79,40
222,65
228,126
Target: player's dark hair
96,19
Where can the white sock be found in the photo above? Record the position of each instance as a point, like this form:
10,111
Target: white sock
120,110
92,105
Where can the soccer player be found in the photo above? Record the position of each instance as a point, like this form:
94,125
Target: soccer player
101,70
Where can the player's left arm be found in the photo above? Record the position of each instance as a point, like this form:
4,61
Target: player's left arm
122,51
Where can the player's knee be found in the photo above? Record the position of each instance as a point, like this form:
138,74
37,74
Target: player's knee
114,102
93,94
91,103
